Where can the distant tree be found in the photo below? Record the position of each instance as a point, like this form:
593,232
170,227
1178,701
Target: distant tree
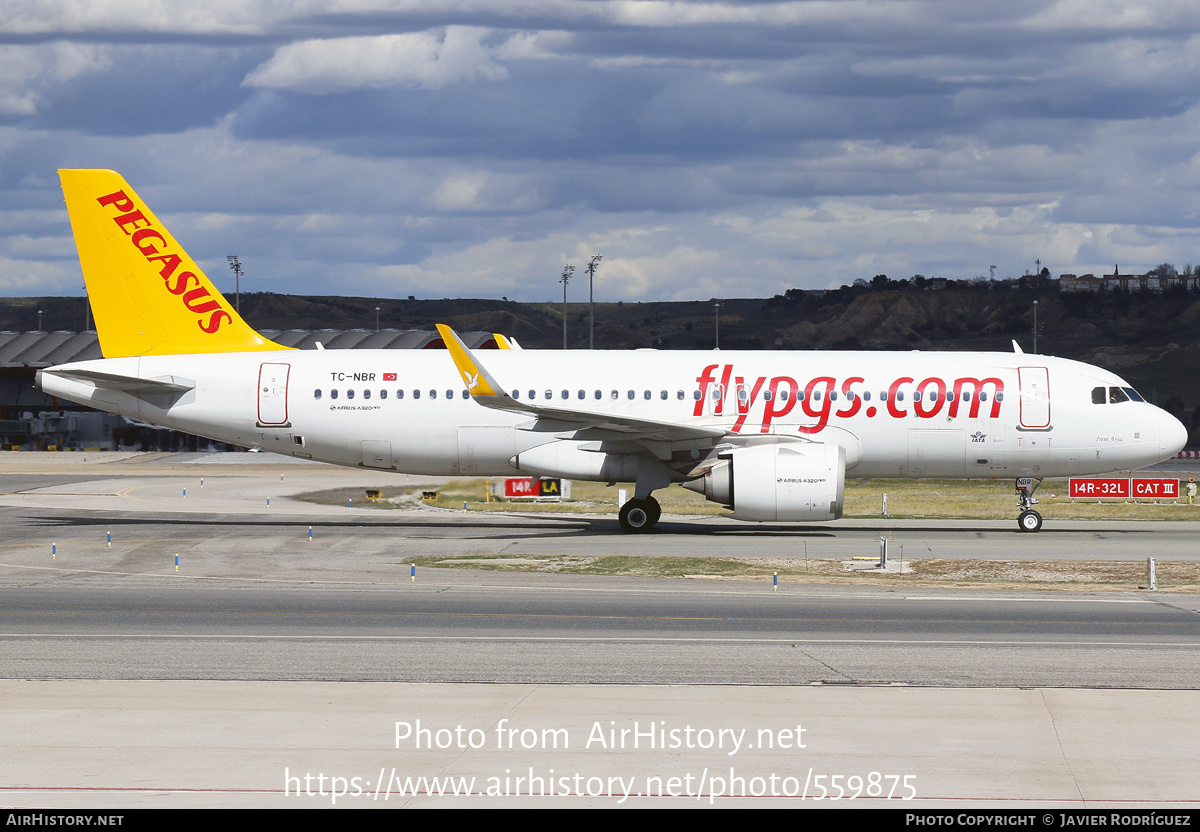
879,282
1045,272
1163,270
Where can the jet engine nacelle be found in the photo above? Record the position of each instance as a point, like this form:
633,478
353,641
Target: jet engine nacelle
787,481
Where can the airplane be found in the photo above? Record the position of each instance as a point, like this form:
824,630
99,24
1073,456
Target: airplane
771,435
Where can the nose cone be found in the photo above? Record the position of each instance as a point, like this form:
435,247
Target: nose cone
1172,435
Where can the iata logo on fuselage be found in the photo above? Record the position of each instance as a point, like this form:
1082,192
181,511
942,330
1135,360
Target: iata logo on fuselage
152,245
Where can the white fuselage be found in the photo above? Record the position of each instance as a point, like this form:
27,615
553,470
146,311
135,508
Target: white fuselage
914,414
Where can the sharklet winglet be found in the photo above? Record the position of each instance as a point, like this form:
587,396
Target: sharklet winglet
480,383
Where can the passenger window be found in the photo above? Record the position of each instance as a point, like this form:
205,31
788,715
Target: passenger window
532,395
899,395
783,395
350,394
516,394
630,396
614,395
833,395
697,395
816,395
383,394
549,395
367,393
766,395
663,395
599,395
866,395
582,395
316,394
466,394
566,394
1000,396
646,395
433,394
416,394
983,395
399,394
742,394
333,394
679,395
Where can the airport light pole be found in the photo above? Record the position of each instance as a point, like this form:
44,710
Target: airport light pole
566,278
591,270
1035,326
717,324
40,313
376,318
237,286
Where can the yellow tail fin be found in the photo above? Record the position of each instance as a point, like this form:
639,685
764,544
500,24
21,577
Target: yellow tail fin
149,297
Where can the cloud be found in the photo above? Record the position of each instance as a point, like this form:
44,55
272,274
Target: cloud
26,72
421,59
704,148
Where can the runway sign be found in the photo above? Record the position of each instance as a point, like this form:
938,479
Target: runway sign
1099,487
1162,489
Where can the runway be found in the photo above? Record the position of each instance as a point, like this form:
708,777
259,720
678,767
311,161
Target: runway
255,603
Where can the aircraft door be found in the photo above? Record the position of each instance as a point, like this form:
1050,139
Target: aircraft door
272,395
376,453
937,453
1035,397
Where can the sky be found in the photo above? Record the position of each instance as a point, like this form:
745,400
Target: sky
446,148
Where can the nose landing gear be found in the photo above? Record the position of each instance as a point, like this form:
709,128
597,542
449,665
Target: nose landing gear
1029,520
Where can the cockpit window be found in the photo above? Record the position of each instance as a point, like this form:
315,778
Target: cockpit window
1099,395
1116,395
1133,394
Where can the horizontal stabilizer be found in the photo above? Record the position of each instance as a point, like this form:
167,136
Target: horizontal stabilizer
126,384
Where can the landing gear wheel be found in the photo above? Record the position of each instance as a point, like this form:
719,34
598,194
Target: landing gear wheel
655,510
1029,521
639,516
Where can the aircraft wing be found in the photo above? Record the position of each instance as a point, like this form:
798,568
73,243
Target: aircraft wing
488,392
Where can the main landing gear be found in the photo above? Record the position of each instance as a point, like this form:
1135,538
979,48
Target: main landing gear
639,516
1029,520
